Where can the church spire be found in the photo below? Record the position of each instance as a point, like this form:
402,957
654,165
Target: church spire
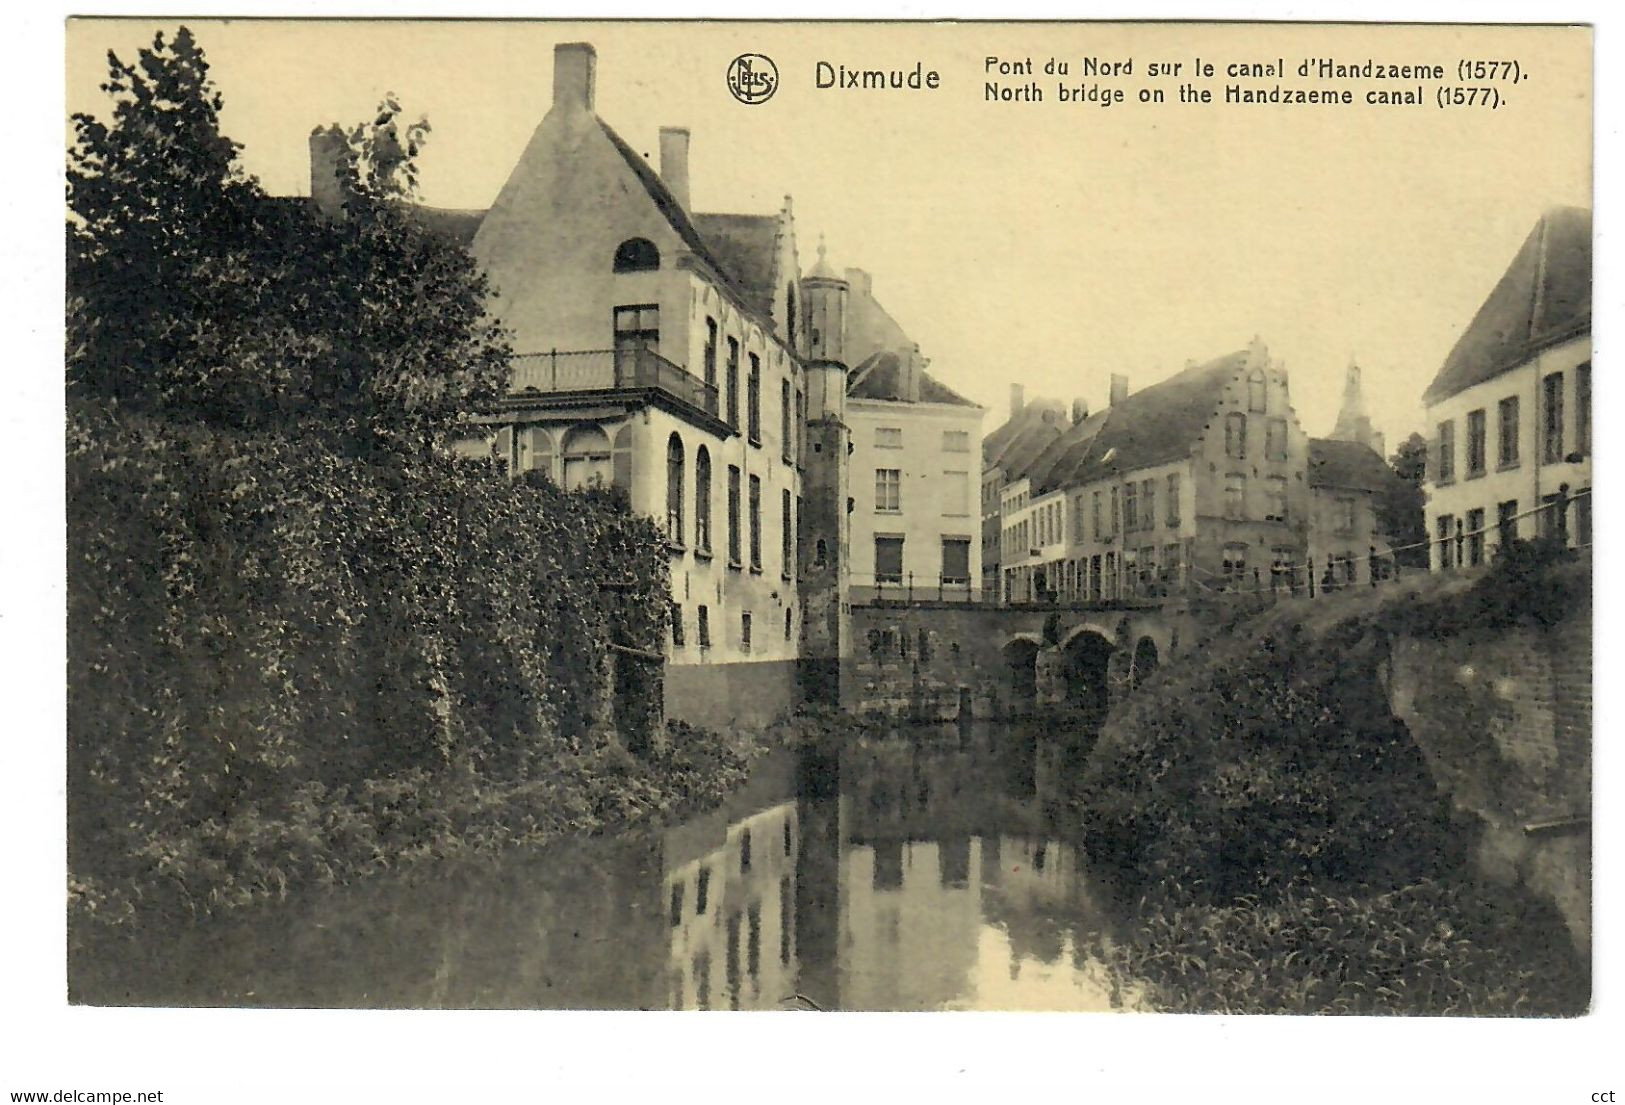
1353,423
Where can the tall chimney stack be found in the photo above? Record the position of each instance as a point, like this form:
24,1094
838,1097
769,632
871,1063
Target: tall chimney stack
674,162
1119,388
327,146
1018,399
575,67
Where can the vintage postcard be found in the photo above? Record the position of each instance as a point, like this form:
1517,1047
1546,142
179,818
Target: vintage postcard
829,516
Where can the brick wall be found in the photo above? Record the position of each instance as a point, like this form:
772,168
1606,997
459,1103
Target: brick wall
1504,718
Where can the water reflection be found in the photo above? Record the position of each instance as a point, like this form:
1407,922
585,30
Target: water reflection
911,872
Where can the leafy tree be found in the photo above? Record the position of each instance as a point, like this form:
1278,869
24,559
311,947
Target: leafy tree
1400,510
195,294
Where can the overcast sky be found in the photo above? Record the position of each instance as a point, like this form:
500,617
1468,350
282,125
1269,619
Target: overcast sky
1049,244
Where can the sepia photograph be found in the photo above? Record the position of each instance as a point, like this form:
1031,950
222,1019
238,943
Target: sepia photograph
850,517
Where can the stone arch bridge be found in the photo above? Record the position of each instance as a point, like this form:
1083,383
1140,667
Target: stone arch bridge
941,660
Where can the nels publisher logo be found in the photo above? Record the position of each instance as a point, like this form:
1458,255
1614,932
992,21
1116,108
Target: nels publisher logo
753,78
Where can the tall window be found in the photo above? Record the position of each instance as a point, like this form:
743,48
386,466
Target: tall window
1094,578
1275,439
1477,446
636,255
1235,435
785,436
1552,422
1173,498
1582,408
1475,536
733,515
888,489
1079,535
1094,514
956,561
733,382
753,400
1131,507
1446,468
1257,397
674,490
787,539
677,626
1444,530
744,644
1148,504
586,458
1235,566
1235,496
1116,513
1275,499
711,352
888,560
702,629
790,316
1170,563
956,441
756,523
702,499
1345,515
1506,522
637,327
1506,441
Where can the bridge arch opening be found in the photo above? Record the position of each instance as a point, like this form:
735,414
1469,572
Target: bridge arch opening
1021,663
1084,660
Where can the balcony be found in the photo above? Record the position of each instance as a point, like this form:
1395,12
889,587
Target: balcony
631,368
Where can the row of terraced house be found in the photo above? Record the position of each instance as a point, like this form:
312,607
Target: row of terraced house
1207,481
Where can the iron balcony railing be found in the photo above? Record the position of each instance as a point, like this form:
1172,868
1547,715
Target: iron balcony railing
610,370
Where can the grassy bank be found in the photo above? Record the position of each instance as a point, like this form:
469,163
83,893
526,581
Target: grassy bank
1281,832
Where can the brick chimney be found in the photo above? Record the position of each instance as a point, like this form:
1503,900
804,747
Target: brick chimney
575,68
1119,388
1018,399
674,162
327,149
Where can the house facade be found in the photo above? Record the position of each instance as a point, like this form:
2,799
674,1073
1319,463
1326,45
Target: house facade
1509,412
1199,481
662,351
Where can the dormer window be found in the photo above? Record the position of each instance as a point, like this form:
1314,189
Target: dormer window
636,255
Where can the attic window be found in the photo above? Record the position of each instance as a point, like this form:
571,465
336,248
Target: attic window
636,255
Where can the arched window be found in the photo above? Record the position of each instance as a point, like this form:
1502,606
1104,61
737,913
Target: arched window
636,255
702,499
1235,435
821,553
1256,398
586,458
674,490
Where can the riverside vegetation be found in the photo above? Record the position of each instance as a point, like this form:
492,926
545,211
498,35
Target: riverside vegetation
1282,836
305,640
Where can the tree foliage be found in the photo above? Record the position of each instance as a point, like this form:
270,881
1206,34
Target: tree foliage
1399,512
194,293
283,593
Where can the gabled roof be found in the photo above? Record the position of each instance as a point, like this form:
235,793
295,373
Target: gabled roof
880,377
1051,467
1149,427
1352,465
1022,437
675,215
748,248
1544,297
459,225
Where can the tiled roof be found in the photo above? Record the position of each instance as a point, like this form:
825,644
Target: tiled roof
879,378
1347,464
748,247
459,225
1066,451
675,215
1543,297
1149,427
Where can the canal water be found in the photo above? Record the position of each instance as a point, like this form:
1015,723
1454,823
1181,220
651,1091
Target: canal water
927,869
